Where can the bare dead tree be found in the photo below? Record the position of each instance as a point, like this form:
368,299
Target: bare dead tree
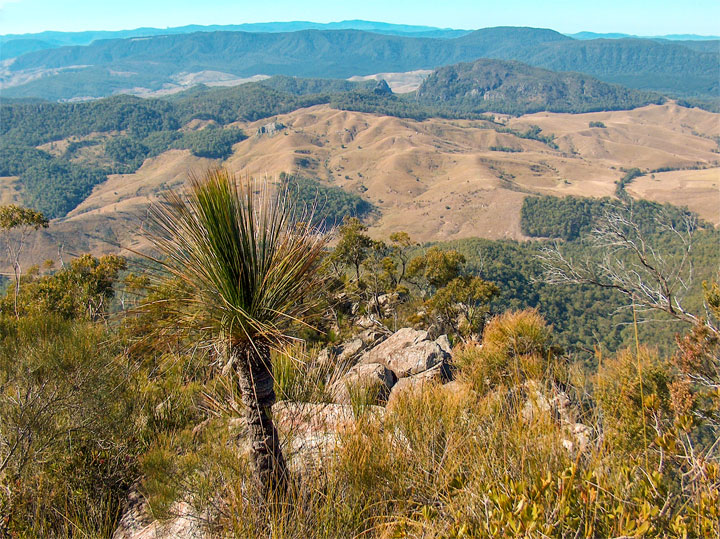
654,271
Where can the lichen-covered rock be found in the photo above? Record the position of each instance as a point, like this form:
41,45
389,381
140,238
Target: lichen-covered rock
310,432
137,522
409,351
415,383
370,382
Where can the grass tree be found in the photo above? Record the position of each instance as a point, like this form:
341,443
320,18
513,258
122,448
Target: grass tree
250,266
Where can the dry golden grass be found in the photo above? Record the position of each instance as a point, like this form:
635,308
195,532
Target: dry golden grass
9,190
697,189
436,179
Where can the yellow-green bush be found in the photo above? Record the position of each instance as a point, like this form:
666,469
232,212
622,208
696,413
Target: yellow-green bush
516,346
633,396
68,434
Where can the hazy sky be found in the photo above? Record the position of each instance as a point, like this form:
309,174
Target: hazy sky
641,17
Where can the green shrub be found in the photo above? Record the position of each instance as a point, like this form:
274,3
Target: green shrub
68,436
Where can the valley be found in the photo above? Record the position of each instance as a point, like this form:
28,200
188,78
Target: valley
436,179
318,280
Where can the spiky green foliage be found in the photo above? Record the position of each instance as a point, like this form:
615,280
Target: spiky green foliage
245,258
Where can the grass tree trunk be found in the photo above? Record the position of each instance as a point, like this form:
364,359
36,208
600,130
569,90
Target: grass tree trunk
253,367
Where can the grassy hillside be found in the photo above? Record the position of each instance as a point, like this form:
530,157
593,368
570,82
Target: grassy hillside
116,135
438,179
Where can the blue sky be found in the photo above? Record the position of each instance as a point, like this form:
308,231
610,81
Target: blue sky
641,17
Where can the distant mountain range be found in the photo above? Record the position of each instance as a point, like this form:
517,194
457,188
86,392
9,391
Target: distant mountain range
668,37
141,64
13,45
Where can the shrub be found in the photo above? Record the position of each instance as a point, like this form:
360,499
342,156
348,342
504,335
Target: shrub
68,436
516,346
633,396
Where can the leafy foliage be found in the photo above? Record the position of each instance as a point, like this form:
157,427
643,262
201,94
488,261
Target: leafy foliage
523,443
56,187
463,305
569,218
81,290
242,257
437,267
353,247
15,159
211,142
69,435
13,216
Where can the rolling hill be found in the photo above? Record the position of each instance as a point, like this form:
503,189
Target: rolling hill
437,179
116,135
153,63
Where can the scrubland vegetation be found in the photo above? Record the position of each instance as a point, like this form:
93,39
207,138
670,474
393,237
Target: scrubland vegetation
117,376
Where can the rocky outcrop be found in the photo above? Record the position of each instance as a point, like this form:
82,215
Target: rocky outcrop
382,88
309,425
557,405
310,432
270,129
138,523
409,351
381,368
348,353
378,362
415,383
370,382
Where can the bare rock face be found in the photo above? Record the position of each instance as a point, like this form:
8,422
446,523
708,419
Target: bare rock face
342,354
415,382
382,88
373,380
270,129
409,351
348,353
310,432
138,523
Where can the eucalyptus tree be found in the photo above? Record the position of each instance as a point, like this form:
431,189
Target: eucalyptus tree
16,224
250,266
